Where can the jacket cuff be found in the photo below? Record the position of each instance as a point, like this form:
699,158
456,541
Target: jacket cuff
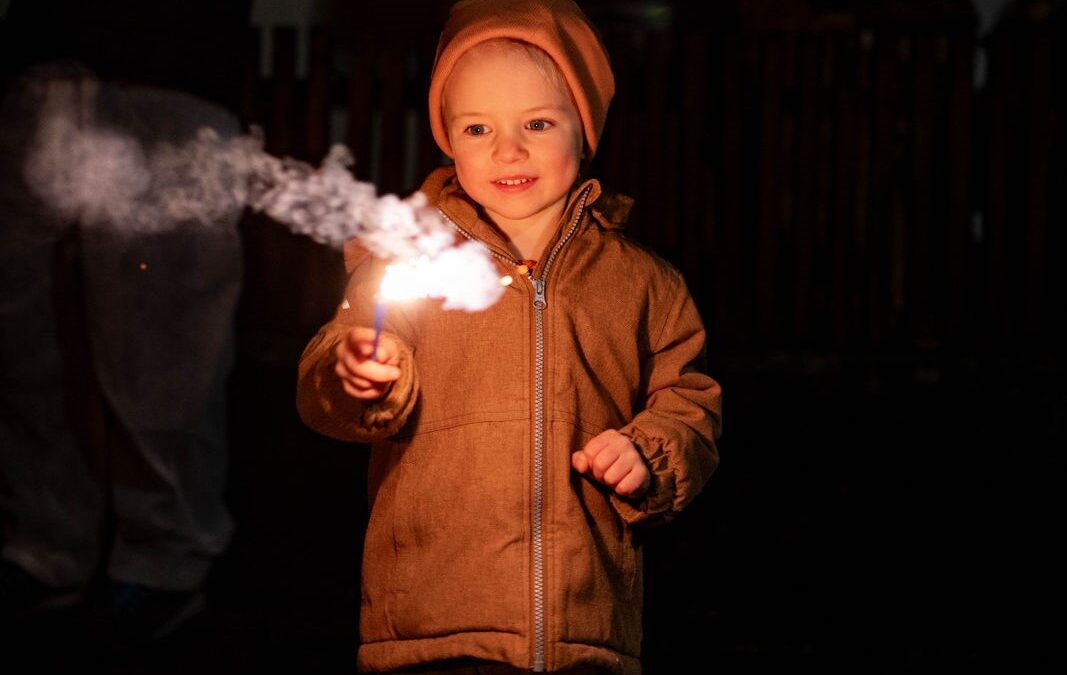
385,417
657,504
326,407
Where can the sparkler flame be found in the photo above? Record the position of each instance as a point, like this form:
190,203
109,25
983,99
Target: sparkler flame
449,275
405,280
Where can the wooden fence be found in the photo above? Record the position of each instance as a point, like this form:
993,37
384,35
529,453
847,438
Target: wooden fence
835,189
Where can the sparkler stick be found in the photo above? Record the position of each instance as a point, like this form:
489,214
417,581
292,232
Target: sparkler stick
379,316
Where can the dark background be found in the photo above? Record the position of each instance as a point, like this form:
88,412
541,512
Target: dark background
861,196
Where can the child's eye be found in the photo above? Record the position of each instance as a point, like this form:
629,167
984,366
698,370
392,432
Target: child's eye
539,125
475,130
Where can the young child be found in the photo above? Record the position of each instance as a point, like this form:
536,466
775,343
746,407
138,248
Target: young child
516,451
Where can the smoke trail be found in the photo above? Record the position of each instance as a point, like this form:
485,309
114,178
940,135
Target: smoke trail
104,178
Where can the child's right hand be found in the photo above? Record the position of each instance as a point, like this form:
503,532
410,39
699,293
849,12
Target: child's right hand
362,376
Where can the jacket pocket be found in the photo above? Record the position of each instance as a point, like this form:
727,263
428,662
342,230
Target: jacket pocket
459,531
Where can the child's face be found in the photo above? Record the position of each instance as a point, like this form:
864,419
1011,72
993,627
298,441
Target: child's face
515,133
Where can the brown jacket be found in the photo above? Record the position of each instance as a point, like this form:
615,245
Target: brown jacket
482,540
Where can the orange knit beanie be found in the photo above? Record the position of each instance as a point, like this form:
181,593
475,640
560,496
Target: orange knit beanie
559,27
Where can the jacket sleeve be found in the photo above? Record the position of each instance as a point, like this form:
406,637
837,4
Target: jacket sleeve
321,399
677,429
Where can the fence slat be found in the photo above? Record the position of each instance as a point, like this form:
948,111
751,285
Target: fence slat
361,102
961,276
771,161
317,129
920,224
849,173
1000,313
1037,183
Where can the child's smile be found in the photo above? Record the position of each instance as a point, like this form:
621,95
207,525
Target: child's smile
515,183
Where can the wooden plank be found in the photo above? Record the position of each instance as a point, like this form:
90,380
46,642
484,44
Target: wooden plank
361,101
940,231
695,180
798,234
825,168
393,62
1036,210
271,296
848,176
961,282
1000,315
900,194
323,279
879,217
920,305
251,98
772,127
731,174
428,156
320,67
784,332
612,151
661,173
283,118
635,161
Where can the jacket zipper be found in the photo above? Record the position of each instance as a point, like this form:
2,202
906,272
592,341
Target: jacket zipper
539,304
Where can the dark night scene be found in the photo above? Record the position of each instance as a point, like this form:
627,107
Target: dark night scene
285,386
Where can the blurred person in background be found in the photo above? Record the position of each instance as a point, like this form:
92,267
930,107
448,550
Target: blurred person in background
125,499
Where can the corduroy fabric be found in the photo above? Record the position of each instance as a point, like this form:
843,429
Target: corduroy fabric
559,27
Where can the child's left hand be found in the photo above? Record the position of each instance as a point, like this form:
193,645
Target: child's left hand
615,462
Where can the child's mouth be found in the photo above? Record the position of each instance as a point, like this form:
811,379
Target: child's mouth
514,183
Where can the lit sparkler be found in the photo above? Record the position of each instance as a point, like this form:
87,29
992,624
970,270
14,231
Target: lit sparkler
402,281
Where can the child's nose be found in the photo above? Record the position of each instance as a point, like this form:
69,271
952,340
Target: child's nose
509,148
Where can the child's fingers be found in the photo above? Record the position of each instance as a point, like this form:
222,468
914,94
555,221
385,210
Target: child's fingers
635,483
365,394
351,365
580,461
598,451
379,373
598,443
616,472
359,382
345,355
604,459
359,341
359,335
388,351
346,364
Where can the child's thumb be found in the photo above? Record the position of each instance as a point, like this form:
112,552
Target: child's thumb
580,462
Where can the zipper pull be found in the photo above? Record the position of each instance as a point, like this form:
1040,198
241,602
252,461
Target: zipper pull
539,293
526,266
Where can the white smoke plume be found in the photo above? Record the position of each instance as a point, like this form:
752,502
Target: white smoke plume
104,178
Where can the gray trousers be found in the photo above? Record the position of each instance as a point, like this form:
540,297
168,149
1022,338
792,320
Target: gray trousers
157,312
